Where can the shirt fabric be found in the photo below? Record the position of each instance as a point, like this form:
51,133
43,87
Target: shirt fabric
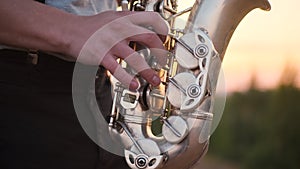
83,7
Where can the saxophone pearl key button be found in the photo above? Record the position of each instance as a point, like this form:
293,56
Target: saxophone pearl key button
175,129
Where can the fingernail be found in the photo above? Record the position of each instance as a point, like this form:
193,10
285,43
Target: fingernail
155,80
133,85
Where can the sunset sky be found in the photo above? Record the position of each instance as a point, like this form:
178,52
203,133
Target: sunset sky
262,45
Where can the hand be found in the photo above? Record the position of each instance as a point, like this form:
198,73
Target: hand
103,38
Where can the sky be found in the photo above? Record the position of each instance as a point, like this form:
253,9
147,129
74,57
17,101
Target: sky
263,45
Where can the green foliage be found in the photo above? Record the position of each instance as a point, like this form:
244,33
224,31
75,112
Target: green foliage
260,130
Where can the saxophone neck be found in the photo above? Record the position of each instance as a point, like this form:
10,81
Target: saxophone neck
221,17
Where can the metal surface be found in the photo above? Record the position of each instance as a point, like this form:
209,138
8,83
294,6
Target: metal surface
169,126
177,91
220,18
175,129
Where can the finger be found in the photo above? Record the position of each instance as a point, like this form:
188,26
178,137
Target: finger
108,38
138,63
151,20
150,76
149,39
136,33
122,50
119,73
126,79
156,23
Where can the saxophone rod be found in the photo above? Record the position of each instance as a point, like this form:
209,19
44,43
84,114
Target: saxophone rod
131,138
179,13
167,123
176,84
113,113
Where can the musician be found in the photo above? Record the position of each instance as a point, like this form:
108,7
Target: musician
39,44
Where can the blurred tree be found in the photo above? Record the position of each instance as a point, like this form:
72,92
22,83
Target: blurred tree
260,129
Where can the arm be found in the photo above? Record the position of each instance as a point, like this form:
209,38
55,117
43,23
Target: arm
104,37
32,25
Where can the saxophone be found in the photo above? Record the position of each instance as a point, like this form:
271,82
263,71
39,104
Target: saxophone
169,126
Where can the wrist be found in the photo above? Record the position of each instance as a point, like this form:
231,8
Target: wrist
75,34
66,38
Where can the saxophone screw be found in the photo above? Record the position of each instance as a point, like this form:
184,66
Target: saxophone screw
141,161
201,51
194,91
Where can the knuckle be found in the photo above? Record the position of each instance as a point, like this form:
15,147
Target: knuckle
156,17
151,38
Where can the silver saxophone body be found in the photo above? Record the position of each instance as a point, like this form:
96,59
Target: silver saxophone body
169,126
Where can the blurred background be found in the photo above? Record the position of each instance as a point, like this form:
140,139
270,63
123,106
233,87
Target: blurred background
260,125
